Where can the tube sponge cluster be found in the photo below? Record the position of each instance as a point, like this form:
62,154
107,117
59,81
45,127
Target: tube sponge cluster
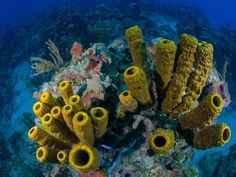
181,77
66,133
178,84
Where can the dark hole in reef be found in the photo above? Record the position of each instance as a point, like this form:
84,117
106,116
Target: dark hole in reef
131,71
40,153
32,130
61,155
127,175
81,158
55,111
226,134
63,84
80,117
74,99
47,118
98,113
160,141
125,93
216,101
37,106
165,41
67,108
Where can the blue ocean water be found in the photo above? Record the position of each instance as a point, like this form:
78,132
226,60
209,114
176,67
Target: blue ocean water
26,25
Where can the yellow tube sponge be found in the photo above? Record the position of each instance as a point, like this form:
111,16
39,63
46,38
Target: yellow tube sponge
83,128
84,158
68,112
40,109
48,99
128,101
177,86
66,91
137,47
202,67
136,80
45,154
165,59
62,156
212,136
43,138
99,117
76,102
206,112
56,113
56,129
162,141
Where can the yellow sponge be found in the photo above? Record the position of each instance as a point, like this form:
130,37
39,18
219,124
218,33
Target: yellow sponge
84,158
57,113
212,136
83,128
99,118
128,101
204,115
43,138
202,67
40,109
162,141
66,91
48,99
56,129
68,112
45,154
137,47
62,156
137,83
165,59
177,86
76,102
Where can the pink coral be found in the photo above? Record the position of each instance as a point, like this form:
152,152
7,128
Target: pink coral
76,50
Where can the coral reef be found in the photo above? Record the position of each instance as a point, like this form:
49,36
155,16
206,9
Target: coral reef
101,25
91,130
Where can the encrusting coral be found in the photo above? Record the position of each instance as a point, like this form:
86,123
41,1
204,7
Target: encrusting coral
87,118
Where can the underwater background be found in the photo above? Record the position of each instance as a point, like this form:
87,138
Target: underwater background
72,29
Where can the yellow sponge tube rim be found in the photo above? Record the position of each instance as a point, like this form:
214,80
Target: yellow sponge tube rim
216,100
125,96
64,85
131,72
42,154
47,119
45,97
39,108
121,115
56,111
32,133
81,157
98,113
62,156
67,109
80,118
162,141
226,133
74,100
